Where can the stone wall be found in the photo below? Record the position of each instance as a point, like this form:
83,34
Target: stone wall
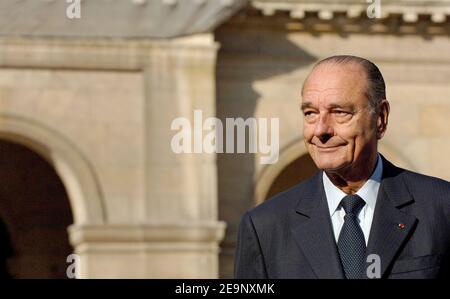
100,111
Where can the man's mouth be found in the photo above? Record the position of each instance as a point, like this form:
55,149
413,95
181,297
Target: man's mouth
327,148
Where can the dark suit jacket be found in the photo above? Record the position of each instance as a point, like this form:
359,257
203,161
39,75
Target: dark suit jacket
291,235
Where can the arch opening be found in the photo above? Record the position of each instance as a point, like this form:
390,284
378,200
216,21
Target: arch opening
72,167
34,215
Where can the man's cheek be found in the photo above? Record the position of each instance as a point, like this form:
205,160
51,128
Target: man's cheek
307,134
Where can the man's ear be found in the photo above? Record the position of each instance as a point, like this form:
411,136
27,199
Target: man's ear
382,118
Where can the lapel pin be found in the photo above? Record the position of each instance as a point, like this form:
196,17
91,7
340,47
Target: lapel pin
401,226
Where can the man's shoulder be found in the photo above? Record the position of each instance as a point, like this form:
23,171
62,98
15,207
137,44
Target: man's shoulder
431,194
415,182
424,182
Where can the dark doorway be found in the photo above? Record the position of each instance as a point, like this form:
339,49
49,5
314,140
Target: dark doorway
35,211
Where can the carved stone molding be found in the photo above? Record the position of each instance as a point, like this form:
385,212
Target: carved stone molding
131,54
150,250
211,231
174,18
409,10
114,18
402,17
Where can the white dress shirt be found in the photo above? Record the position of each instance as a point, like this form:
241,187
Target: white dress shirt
368,192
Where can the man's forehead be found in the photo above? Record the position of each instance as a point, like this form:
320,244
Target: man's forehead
334,83
332,75
331,94
318,91
333,97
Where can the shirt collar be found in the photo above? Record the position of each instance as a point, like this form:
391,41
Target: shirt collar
368,192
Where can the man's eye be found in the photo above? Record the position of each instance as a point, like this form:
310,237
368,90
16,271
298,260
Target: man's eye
308,113
340,112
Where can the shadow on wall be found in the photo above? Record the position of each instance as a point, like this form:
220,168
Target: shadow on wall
245,55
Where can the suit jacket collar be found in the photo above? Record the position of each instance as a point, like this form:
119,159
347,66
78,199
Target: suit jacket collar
391,227
313,232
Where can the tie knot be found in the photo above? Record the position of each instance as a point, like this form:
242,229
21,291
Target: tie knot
352,204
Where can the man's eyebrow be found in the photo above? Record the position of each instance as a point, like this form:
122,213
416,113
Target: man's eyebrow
306,105
341,105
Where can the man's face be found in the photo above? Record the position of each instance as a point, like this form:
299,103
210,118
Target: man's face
339,127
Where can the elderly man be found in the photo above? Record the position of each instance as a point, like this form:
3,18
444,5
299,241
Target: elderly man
359,216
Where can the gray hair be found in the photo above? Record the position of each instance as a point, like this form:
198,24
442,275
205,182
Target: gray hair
376,88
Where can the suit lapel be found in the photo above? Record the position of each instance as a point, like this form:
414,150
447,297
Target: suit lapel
313,231
390,227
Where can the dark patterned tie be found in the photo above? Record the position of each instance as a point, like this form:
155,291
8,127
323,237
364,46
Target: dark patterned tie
351,243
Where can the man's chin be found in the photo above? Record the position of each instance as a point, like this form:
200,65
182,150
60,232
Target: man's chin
331,165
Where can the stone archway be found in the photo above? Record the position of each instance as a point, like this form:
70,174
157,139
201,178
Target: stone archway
34,214
74,170
72,167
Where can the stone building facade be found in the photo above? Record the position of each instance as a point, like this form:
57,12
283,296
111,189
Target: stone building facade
86,107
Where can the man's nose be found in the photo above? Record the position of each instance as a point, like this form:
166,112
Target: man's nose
324,128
